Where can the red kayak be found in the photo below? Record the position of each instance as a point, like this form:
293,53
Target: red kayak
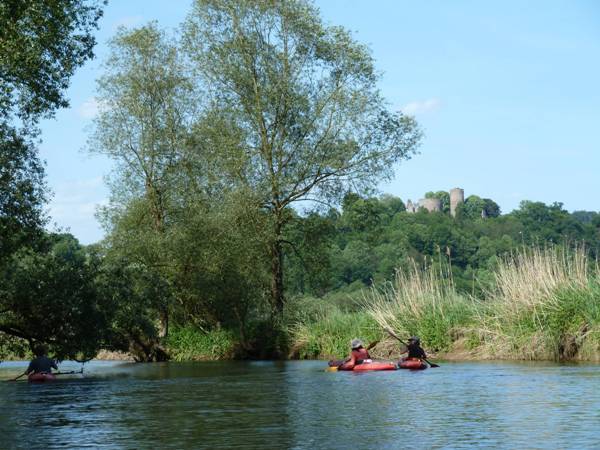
40,377
412,364
375,365
366,366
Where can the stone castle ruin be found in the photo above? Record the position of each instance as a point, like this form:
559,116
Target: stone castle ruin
457,196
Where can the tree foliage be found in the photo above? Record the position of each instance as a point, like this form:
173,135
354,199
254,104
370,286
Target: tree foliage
42,43
46,291
22,192
366,242
50,295
475,206
301,96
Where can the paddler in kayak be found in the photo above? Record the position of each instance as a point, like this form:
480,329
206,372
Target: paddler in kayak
358,355
41,363
414,349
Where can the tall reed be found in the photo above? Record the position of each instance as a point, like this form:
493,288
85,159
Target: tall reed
422,301
329,333
543,306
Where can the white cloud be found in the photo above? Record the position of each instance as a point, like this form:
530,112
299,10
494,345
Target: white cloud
89,109
422,107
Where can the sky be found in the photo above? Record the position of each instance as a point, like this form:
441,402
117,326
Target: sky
507,93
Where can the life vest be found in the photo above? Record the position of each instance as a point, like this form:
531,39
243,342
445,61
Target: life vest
360,355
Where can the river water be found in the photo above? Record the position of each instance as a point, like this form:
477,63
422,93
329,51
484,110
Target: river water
297,405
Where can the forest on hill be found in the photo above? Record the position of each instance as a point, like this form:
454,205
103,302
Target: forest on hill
366,240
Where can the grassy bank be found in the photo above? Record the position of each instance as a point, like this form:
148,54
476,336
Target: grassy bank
544,305
190,344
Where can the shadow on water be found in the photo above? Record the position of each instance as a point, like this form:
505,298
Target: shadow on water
297,404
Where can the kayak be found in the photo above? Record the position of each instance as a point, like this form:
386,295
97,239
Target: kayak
375,365
412,364
40,377
366,366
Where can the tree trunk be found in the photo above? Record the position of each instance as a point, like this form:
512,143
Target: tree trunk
277,299
157,211
163,332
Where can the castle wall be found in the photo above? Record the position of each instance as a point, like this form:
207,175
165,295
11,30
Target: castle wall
457,196
431,204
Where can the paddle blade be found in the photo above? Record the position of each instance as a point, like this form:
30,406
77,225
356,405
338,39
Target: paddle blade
331,369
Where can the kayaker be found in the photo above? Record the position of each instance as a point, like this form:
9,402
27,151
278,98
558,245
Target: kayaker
41,363
358,355
414,349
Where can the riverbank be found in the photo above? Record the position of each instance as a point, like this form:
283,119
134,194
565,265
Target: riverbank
544,305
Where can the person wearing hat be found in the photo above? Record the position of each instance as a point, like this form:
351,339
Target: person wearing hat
414,349
358,355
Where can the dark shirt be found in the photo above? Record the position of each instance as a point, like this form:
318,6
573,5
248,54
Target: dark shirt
415,351
42,364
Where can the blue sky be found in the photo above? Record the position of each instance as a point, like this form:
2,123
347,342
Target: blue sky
508,94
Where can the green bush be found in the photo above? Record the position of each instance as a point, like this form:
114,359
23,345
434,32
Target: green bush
191,344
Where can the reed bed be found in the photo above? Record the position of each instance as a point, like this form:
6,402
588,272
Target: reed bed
329,334
544,305
422,301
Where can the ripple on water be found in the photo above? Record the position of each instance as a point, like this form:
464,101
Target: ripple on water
225,405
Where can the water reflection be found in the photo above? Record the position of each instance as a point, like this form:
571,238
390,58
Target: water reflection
224,405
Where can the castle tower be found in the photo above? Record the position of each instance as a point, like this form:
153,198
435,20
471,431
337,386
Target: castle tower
457,196
431,204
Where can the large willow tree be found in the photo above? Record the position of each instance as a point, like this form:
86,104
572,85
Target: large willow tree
188,241
292,108
143,123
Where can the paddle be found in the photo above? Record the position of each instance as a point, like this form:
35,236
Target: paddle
394,335
16,378
335,368
68,373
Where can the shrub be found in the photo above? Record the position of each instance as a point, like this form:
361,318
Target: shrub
191,344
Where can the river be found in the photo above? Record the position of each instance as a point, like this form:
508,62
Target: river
297,405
